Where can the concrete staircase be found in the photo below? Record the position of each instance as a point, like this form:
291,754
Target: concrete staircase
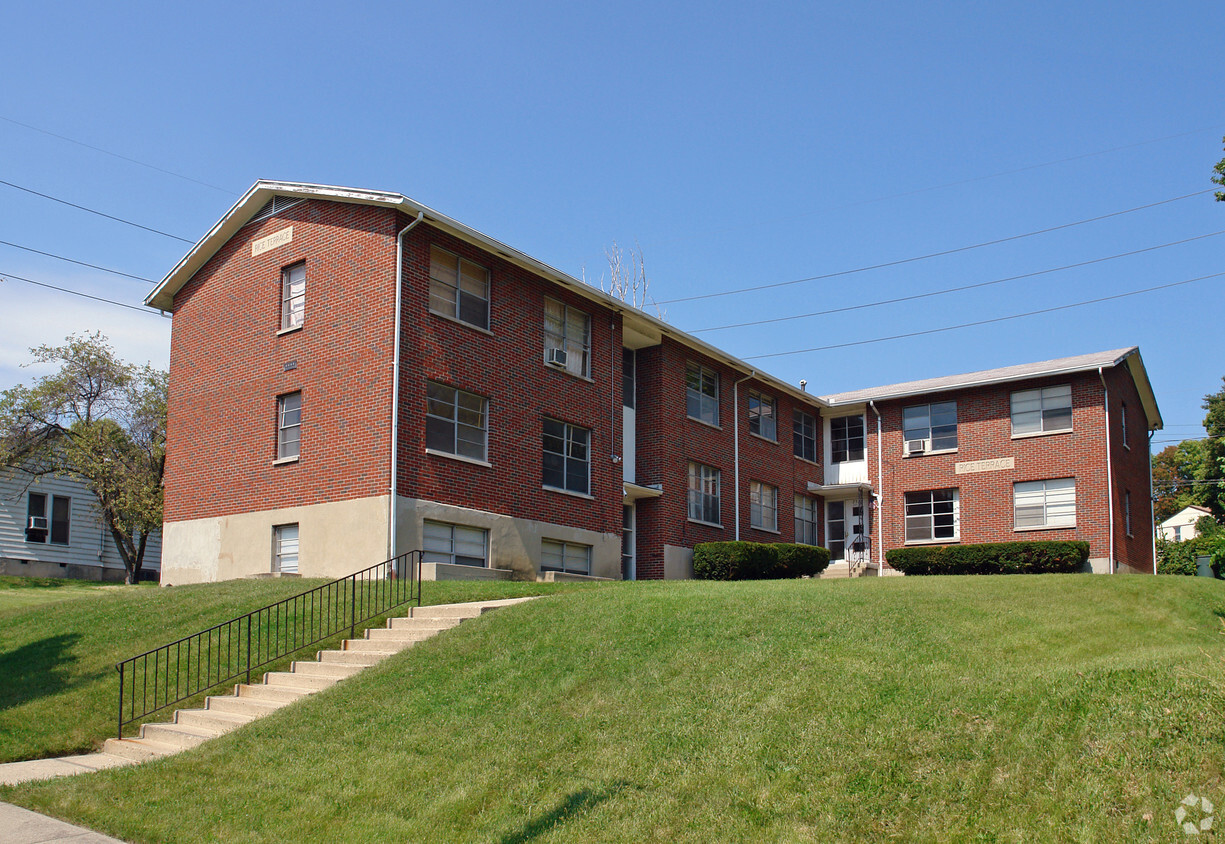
221,714
844,570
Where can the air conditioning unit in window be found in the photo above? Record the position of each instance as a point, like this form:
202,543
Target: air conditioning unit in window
38,523
917,446
556,357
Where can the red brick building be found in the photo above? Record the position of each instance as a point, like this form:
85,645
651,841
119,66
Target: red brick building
525,424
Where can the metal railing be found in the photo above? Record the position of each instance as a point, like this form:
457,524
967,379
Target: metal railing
233,649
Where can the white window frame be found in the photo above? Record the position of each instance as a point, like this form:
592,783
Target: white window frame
763,415
917,425
1052,404
763,506
575,451
286,548
806,519
574,557
452,295
702,393
50,501
848,438
804,435
293,296
469,428
703,498
1055,498
456,537
560,330
1123,424
289,426
935,513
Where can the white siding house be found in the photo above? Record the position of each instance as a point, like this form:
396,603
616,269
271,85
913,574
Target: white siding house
50,527
1181,526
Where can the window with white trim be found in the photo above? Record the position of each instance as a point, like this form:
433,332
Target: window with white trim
567,338
1123,424
289,425
1042,411
459,545
43,527
285,549
762,416
704,504
458,288
293,295
804,435
568,557
806,511
702,393
930,427
933,515
567,456
1039,504
846,436
456,421
763,505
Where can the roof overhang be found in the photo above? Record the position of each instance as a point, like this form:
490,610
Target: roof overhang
633,492
836,490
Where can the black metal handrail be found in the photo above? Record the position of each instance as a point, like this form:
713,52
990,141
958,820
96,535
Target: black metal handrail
224,652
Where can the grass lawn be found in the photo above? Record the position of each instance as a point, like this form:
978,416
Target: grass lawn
1061,707
59,644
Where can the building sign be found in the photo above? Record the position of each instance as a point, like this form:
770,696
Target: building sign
984,465
272,241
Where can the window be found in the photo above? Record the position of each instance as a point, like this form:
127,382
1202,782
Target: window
702,393
455,421
454,544
805,520
804,435
1123,424
285,549
762,420
568,331
704,494
42,527
629,377
289,425
933,515
1038,504
930,427
459,289
1042,411
293,296
567,458
763,506
569,557
846,438
1127,511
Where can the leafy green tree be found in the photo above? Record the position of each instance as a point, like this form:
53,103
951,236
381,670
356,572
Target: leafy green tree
1175,469
1212,474
1219,178
101,421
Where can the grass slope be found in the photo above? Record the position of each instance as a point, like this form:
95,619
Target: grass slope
60,641
1060,707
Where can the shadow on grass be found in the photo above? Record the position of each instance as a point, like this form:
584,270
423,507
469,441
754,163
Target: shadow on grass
38,669
578,801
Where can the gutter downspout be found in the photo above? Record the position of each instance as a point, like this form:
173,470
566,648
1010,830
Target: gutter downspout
1109,468
736,442
880,562
1152,505
395,390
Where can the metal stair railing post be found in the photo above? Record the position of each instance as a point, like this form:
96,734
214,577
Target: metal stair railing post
271,632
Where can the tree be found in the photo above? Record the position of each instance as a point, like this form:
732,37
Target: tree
1175,469
101,421
627,278
1212,467
1219,178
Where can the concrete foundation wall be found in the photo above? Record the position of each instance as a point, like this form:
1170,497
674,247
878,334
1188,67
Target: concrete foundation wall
335,539
678,563
75,571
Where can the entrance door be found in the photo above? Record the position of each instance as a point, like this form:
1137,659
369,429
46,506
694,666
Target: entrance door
846,530
628,567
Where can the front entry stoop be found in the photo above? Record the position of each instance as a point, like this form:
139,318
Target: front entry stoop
224,713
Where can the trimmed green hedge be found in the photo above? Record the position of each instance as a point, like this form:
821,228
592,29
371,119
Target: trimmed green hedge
757,560
991,558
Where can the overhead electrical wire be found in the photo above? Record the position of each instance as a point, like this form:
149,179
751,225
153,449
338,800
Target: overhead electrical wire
958,289
93,211
5,276
985,321
79,263
941,253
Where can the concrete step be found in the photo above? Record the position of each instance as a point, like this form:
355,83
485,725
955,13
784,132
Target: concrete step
272,694
212,719
460,611
362,658
339,670
181,736
305,682
236,705
378,646
140,750
400,634
419,623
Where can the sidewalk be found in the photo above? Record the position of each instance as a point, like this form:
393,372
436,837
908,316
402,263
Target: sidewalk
21,826
12,773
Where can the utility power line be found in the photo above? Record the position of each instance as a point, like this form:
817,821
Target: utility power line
79,263
959,289
939,254
4,276
985,321
93,211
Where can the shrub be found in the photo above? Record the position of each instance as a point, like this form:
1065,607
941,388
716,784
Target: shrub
991,558
1180,557
756,560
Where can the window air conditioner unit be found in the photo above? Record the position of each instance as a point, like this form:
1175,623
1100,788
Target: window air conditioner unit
916,446
38,523
556,357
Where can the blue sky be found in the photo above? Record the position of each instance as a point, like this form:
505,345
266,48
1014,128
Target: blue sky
738,145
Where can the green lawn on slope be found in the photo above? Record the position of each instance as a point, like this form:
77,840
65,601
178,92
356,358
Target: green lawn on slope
1060,707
